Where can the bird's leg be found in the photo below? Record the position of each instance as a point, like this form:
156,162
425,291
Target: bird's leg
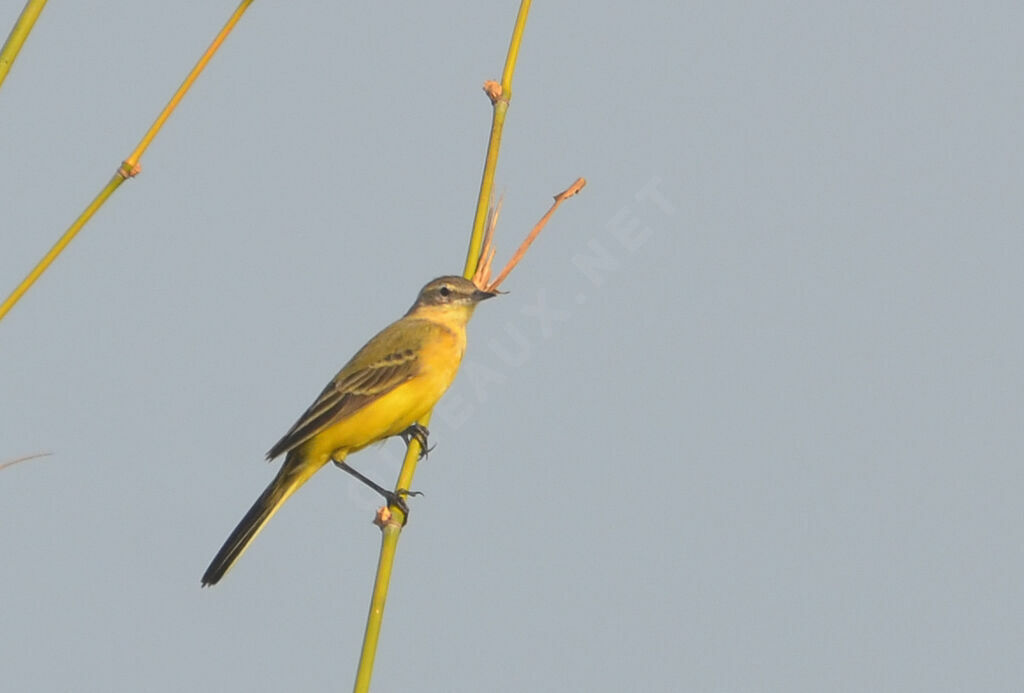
396,498
419,434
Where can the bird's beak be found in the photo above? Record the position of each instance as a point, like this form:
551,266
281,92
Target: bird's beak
479,295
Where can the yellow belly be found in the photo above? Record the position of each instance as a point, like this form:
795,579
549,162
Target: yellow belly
392,413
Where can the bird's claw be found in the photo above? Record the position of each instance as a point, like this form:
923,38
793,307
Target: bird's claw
397,499
419,434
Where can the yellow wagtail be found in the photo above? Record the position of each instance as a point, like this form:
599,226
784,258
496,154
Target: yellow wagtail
384,390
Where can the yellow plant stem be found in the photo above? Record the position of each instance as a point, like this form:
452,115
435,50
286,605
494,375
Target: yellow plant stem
61,243
133,159
388,546
392,527
16,39
501,100
129,167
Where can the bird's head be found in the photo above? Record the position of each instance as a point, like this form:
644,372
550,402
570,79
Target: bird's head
451,296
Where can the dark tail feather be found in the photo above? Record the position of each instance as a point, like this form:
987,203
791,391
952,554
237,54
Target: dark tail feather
283,485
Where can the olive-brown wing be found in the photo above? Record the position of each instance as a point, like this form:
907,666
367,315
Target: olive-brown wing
359,383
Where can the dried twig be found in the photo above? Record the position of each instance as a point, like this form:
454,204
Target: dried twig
25,458
483,272
483,266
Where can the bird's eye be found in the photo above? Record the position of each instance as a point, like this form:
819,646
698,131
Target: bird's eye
444,291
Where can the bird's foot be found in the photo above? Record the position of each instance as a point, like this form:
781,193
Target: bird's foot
397,499
419,434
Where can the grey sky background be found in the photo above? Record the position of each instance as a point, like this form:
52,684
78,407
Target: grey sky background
749,418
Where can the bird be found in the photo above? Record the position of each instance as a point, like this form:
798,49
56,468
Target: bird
383,391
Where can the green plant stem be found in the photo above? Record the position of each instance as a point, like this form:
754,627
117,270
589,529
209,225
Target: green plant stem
392,527
129,167
483,200
388,546
16,39
61,243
